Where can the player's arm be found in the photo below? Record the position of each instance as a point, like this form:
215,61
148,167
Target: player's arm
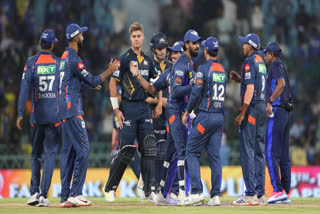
235,76
144,83
88,78
280,84
195,95
23,94
179,77
249,78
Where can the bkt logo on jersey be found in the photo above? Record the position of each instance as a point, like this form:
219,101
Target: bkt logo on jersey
46,69
262,68
218,77
62,65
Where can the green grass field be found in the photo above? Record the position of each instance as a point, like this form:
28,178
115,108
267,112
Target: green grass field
306,205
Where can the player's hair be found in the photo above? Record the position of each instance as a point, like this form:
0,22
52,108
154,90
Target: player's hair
214,53
135,26
45,45
277,54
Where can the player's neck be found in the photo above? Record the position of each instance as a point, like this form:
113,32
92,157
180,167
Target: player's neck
74,46
45,50
188,55
136,51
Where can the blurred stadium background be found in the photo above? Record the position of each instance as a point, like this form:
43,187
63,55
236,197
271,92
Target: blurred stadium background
292,23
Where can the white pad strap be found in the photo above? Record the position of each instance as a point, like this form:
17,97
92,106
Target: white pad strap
114,102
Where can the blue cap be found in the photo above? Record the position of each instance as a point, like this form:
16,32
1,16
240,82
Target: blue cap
48,36
73,30
211,44
252,39
191,35
274,48
177,46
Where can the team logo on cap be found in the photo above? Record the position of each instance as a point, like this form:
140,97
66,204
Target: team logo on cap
215,44
194,33
246,67
80,65
44,35
175,44
162,40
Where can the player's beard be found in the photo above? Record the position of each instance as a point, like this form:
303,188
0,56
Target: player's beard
80,43
194,53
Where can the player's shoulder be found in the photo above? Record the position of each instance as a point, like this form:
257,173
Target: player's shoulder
32,59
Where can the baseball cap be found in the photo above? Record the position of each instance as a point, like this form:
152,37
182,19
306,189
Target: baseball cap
274,48
177,46
159,40
252,39
48,36
191,35
211,44
73,30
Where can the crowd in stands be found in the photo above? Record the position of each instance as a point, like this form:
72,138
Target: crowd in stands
293,24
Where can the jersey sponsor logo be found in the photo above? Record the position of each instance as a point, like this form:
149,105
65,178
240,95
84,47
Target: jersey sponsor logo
62,65
84,72
116,73
190,75
178,80
179,73
246,67
144,72
247,76
218,77
25,68
46,95
199,74
80,65
145,62
262,68
46,69
217,104
199,82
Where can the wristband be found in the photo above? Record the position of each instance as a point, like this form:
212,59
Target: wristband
114,102
269,101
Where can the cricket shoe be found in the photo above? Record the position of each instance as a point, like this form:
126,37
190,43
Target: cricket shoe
214,201
110,196
277,196
286,201
159,199
182,196
43,202
148,199
193,199
82,201
33,200
263,200
171,200
66,204
246,201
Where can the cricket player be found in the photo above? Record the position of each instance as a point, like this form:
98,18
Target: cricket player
41,74
134,115
252,121
278,125
75,144
179,91
209,91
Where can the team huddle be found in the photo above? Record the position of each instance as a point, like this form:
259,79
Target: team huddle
170,110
